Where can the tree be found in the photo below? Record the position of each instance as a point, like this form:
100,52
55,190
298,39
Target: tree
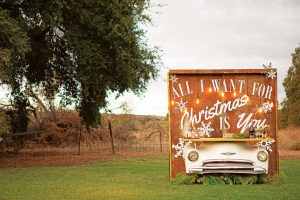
82,50
290,112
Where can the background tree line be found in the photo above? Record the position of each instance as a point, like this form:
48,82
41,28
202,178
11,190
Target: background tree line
289,113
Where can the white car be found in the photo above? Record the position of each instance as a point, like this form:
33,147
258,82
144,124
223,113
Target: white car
225,157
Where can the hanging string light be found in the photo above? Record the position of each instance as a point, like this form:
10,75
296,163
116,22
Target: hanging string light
209,89
234,93
197,100
172,102
234,88
222,94
260,109
248,98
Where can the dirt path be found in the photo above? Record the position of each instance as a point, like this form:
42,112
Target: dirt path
49,159
61,158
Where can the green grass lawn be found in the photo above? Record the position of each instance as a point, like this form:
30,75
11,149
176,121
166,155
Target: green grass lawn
137,178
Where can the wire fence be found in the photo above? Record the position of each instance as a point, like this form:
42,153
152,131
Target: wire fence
83,142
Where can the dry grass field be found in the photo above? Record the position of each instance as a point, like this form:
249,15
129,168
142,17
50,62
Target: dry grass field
289,143
289,138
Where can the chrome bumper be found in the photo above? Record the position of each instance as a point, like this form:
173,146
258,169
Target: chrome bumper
227,166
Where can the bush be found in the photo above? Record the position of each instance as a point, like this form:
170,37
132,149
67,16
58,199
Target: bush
213,180
296,146
217,179
183,179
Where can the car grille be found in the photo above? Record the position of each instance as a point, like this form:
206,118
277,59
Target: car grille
228,166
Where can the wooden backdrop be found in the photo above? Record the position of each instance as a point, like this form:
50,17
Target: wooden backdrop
250,94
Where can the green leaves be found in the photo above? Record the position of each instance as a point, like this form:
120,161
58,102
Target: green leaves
81,50
289,113
14,44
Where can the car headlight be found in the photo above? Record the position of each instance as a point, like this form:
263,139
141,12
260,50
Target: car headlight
193,156
262,156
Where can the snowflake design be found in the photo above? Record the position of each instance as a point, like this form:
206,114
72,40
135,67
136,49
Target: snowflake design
180,147
271,74
205,130
269,66
266,107
265,144
181,105
173,79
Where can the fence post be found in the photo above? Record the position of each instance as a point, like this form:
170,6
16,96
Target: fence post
160,142
79,140
111,137
18,144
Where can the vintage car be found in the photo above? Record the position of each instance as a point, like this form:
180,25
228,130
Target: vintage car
225,157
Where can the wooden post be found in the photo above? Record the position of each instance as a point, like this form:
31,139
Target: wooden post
18,146
111,137
79,140
160,142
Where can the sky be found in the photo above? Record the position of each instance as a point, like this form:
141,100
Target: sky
210,34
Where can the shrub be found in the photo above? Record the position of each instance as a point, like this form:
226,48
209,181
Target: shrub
217,179
183,179
296,146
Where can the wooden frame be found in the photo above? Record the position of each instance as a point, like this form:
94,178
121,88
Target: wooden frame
188,80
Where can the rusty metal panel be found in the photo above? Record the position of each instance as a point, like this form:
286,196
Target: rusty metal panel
227,100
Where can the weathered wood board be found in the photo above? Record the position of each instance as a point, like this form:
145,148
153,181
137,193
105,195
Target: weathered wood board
221,101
